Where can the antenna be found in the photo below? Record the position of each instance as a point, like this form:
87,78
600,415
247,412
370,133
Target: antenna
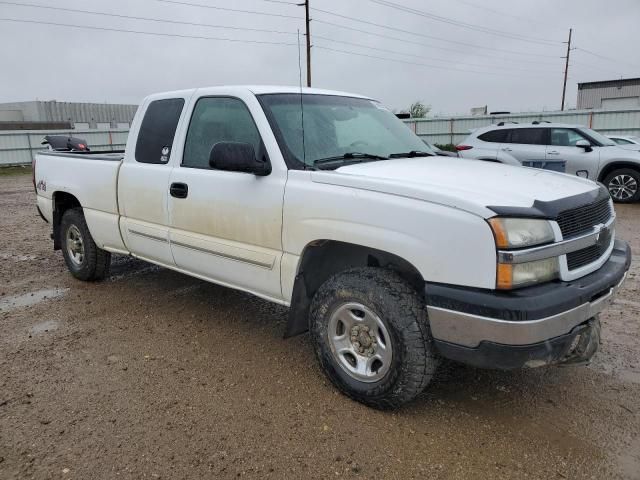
304,150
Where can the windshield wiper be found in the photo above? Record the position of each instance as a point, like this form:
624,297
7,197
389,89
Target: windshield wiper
411,154
354,157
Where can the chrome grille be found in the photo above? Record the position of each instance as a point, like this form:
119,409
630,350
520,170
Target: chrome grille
582,219
583,257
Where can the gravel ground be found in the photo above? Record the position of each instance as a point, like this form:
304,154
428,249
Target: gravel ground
153,374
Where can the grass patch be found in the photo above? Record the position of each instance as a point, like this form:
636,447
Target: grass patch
17,170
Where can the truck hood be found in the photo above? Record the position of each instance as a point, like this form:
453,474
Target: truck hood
470,185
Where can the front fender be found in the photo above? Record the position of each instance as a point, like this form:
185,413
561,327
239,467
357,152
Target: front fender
444,244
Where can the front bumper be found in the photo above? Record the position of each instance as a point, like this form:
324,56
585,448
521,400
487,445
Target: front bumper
549,323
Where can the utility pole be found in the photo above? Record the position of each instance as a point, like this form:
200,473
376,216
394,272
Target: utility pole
566,69
307,20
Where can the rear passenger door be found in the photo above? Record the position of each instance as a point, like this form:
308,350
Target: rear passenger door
143,182
562,146
527,146
227,227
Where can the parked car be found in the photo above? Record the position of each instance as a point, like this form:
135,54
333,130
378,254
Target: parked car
572,149
389,256
626,142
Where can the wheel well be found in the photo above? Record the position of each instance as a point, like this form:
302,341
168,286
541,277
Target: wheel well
62,201
615,166
322,259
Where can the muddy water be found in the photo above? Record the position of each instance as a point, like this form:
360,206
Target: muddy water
153,374
29,299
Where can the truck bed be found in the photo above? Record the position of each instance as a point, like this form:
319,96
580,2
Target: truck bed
92,179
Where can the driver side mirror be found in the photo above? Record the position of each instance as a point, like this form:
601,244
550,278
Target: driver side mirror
238,157
584,144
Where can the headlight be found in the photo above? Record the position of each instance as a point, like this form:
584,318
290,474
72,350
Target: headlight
512,233
517,275
521,232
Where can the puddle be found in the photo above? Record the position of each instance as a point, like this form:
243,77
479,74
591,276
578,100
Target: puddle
29,299
17,258
47,326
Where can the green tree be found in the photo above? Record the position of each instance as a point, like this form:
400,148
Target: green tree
419,109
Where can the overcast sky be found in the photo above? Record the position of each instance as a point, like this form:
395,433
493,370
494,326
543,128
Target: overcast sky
450,67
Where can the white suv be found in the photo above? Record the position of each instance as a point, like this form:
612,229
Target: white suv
571,149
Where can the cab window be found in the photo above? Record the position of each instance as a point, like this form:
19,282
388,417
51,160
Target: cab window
495,136
528,136
565,137
157,130
214,120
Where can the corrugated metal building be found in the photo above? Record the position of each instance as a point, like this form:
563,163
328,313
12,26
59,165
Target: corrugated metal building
102,116
609,94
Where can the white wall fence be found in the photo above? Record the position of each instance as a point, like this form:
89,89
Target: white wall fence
18,147
445,130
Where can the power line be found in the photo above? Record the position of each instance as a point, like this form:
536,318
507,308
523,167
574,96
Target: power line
498,12
605,57
466,52
282,2
354,44
457,23
226,9
131,17
431,37
438,67
158,34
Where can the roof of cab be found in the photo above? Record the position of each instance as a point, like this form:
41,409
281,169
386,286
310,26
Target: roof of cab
256,90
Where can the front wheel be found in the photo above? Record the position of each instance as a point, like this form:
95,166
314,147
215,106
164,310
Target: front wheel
371,336
84,259
623,185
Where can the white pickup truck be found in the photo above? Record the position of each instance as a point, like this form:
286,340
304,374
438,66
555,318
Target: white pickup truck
391,257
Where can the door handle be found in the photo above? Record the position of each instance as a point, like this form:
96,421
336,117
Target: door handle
553,152
179,190
506,149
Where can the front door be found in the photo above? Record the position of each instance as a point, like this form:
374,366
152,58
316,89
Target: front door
578,161
226,226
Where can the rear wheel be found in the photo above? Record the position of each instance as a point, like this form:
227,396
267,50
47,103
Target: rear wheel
623,185
371,336
84,259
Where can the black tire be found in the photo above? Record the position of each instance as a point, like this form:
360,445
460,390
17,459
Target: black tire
95,262
613,180
403,313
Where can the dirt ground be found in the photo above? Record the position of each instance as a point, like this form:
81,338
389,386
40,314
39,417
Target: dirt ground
153,374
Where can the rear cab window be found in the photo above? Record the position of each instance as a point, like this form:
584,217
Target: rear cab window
157,131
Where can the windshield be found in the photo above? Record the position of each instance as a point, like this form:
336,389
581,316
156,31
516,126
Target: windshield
337,127
598,137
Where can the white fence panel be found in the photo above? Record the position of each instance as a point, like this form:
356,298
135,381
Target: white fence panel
455,129
17,147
